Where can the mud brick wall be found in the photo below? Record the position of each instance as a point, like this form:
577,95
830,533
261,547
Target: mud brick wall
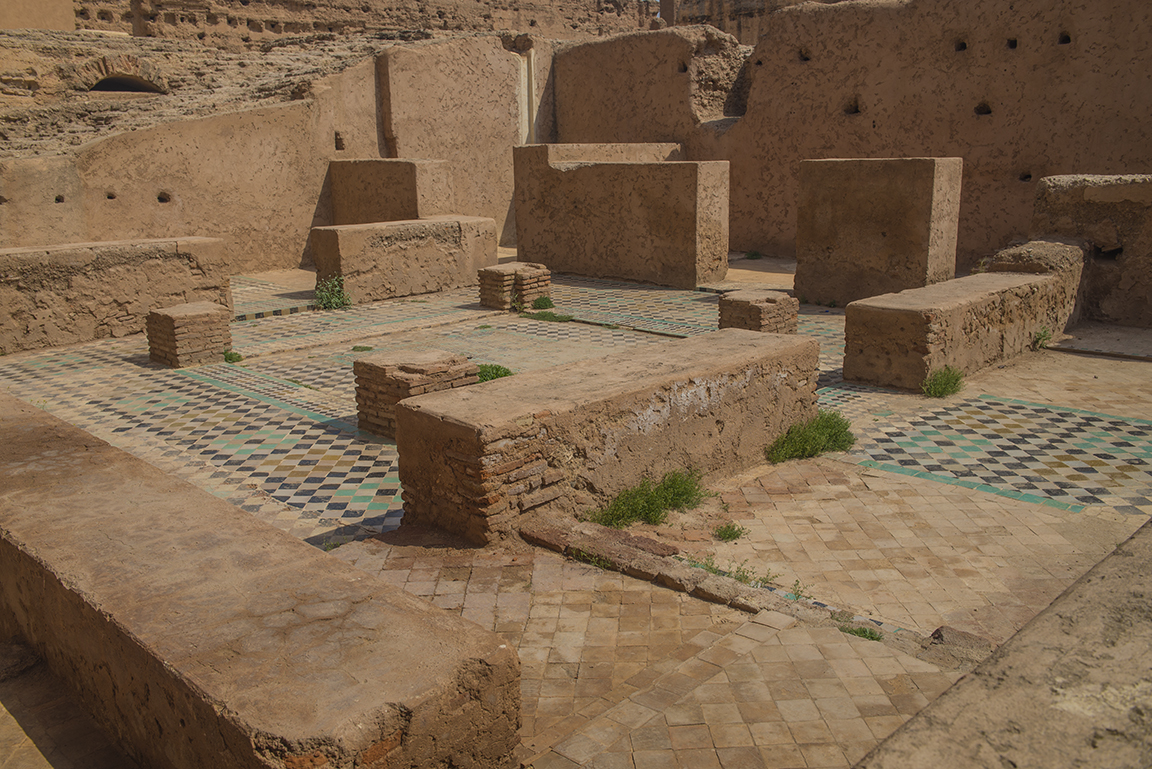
524,281
58,295
385,379
896,340
201,637
769,311
189,334
1113,215
473,460
622,211
368,190
390,259
871,227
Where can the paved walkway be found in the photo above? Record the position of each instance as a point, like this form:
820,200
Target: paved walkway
972,511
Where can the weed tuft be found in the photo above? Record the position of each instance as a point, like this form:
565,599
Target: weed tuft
591,559
800,590
542,303
943,382
1041,338
362,348
729,532
650,503
490,371
753,255
231,356
862,632
330,294
828,431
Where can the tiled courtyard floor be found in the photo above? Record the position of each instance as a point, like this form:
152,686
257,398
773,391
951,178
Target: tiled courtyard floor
973,511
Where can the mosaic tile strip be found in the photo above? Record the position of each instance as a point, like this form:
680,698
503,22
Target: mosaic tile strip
1054,456
254,299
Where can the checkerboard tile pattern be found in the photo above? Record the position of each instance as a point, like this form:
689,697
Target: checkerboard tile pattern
254,299
1054,456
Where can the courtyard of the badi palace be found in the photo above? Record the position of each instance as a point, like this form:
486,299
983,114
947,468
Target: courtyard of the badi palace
263,504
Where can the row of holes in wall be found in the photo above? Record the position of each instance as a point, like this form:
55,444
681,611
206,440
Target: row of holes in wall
162,197
1012,43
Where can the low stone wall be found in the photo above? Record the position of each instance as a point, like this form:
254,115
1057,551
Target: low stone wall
384,379
867,227
622,211
389,259
389,189
473,460
1113,214
1070,689
77,292
896,340
189,334
503,285
201,637
771,311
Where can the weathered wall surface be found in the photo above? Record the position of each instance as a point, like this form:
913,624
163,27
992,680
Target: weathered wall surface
620,211
387,190
869,227
1113,214
201,637
37,14
1070,689
85,291
896,340
389,259
473,460
743,19
235,21
254,178
1018,91
458,101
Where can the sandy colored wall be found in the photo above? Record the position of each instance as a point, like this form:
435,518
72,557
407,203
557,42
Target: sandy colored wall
458,100
874,78
65,295
257,179
37,14
622,211
259,20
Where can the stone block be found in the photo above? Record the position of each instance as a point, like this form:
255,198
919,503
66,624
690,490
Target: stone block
189,334
390,259
756,310
384,379
77,292
200,637
623,211
871,227
371,190
472,460
896,340
1113,215
524,282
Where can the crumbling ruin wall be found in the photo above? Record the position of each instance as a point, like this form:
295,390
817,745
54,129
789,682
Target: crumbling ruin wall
235,21
254,178
743,19
1019,91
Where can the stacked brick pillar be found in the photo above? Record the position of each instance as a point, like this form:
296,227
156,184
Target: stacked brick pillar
385,379
189,334
757,310
522,281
